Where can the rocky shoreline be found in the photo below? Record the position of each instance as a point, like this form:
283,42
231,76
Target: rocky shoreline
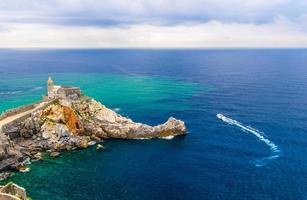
12,191
70,123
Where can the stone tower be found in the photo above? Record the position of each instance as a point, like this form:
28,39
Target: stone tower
50,84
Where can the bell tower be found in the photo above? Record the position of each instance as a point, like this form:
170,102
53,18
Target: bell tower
50,84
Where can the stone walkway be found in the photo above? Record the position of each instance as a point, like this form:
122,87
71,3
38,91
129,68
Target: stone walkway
17,116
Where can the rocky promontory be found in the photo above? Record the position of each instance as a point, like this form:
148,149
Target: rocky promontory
66,123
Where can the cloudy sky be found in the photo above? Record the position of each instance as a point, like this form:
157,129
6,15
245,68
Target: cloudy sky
152,23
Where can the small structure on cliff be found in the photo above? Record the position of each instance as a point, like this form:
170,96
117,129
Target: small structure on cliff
62,92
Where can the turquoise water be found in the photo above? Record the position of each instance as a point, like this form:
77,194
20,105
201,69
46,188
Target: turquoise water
254,149
124,93
129,95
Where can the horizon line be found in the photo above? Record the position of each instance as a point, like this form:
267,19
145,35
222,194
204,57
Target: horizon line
148,48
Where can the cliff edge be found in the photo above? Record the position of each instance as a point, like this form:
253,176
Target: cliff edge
67,120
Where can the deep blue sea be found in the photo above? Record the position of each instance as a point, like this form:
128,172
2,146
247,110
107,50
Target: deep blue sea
256,148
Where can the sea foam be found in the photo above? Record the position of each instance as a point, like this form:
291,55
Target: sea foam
168,137
116,109
36,88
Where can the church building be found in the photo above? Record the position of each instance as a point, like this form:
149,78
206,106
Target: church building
62,92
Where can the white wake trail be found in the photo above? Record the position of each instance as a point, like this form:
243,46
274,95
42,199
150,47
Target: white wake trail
274,148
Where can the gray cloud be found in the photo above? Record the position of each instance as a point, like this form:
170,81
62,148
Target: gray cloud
152,23
163,12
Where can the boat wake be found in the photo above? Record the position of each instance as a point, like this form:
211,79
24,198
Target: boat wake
274,148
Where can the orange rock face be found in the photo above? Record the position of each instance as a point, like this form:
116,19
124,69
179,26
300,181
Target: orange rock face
65,115
72,121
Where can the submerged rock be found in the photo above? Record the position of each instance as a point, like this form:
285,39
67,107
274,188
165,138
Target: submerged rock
100,147
54,154
5,175
23,169
91,143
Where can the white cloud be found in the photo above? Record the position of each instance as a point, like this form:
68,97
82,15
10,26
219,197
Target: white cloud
153,23
280,33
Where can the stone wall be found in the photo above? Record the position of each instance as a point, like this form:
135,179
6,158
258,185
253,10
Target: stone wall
17,110
67,92
11,129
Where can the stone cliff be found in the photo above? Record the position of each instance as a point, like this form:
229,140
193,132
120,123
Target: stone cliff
66,124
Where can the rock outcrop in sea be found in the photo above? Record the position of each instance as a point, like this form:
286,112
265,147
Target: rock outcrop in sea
66,120
11,191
